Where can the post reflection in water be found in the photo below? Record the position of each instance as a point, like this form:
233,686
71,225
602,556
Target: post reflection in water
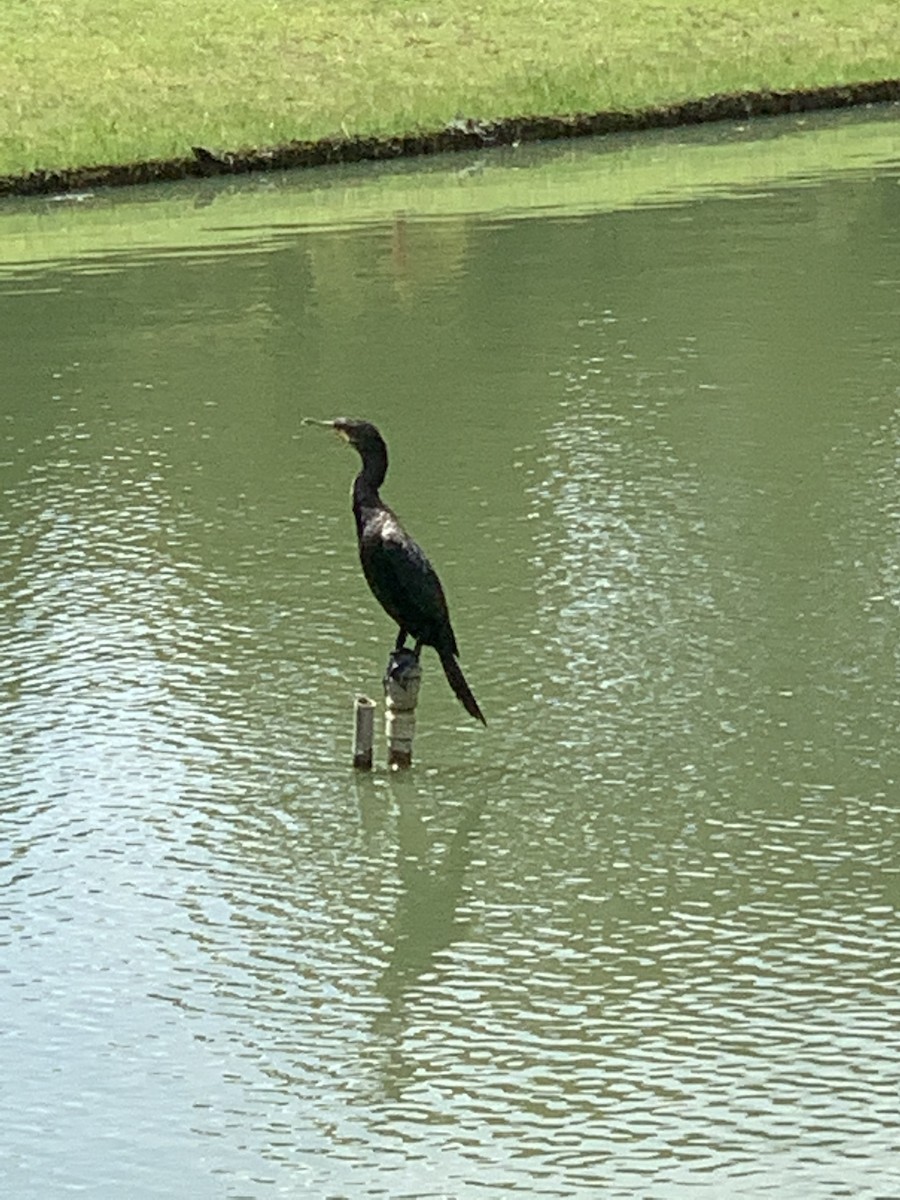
426,921
639,936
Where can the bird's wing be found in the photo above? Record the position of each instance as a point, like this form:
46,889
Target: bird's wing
406,584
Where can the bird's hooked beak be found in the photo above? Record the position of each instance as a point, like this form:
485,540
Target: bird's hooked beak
336,426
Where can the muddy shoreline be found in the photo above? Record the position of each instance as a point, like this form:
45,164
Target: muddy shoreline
462,134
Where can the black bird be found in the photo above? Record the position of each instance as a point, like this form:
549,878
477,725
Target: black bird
402,579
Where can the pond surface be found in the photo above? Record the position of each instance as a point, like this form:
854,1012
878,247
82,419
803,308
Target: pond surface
639,937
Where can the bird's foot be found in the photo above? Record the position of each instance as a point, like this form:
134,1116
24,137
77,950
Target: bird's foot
401,663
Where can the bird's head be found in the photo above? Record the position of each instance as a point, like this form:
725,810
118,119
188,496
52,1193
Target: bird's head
365,439
361,434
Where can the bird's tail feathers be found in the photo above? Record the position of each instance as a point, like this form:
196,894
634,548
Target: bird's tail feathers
457,681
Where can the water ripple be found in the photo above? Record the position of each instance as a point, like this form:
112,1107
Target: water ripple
638,939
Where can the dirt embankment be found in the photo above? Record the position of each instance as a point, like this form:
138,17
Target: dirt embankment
462,134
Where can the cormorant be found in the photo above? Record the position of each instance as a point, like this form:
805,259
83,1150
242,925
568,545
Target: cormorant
402,579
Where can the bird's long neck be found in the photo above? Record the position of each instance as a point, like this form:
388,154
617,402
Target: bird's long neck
370,478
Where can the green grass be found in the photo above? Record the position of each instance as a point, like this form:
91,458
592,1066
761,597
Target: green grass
84,82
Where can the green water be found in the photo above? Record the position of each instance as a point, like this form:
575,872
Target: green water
639,937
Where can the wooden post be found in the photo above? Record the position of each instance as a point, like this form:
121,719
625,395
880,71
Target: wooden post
363,732
401,694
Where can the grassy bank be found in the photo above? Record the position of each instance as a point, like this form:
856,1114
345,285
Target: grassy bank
114,81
